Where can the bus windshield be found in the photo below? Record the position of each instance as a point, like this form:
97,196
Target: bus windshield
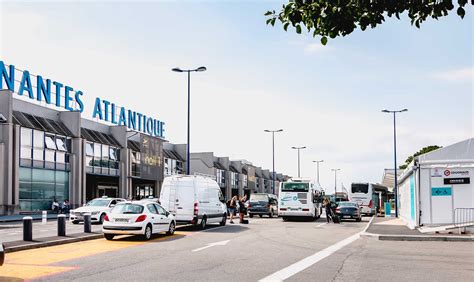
295,187
360,188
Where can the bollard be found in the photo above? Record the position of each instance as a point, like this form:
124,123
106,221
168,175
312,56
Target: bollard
61,225
2,254
87,223
27,228
44,217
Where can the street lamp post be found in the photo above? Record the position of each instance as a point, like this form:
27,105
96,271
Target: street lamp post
299,149
395,188
273,154
188,149
335,182
317,162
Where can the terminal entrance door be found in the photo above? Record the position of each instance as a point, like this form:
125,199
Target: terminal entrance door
109,191
144,191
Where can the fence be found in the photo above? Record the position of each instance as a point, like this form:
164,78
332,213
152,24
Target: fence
463,217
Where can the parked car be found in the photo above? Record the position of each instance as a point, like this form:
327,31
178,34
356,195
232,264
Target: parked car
138,218
97,208
348,210
263,204
194,199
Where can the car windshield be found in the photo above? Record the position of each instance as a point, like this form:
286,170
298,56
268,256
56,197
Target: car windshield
295,187
347,204
258,198
127,209
98,203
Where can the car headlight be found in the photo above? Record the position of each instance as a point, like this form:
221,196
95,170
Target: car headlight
94,213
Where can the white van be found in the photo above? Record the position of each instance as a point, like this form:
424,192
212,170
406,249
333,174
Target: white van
194,200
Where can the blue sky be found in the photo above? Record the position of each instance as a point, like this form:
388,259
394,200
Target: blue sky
326,98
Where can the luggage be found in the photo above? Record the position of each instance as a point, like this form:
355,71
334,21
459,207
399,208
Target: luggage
245,221
336,219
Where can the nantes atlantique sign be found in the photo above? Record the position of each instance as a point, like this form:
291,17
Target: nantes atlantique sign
64,96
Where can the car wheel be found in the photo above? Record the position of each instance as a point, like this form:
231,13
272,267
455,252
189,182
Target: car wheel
250,215
224,220
148,232
359,219
109,236
285,218
101,219
203,224
171,229
75,222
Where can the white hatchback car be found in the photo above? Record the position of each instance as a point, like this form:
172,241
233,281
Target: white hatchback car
138,218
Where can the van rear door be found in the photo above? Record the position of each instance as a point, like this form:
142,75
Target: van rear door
185,198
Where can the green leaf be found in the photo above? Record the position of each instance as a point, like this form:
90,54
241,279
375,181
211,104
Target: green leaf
462,2
461,12
285,26
298,29
268,13
269,20
324,40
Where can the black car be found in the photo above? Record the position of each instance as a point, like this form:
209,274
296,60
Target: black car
348,210
263,204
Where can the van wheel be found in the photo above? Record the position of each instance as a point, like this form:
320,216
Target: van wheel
109,236
148,232
224,220
171,229
203,224
285,218
75,222
250,215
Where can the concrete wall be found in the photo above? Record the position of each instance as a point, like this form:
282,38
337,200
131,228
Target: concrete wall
8,205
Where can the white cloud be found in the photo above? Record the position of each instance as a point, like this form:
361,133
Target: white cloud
456,75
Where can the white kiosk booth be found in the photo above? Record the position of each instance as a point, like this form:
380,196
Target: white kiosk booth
438,185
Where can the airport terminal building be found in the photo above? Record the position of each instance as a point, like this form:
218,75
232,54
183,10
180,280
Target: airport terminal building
48,150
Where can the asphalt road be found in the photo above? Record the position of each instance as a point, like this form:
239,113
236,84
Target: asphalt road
306,251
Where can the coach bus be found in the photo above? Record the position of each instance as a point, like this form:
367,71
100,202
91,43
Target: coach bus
299,198
369,196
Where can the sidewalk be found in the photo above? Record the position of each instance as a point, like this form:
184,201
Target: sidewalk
19,217
21,245
394,229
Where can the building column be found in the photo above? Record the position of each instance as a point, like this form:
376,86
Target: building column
76,186
6,154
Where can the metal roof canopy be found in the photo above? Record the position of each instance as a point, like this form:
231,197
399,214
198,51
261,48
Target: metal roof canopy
39,123
460,152
99,137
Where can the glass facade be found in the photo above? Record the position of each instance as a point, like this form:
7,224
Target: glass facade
102,159
234,180
39,187
44,165
220,177
173,167
135,160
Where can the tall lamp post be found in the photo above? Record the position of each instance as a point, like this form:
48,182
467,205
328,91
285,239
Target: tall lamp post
317,179
395,188
299,149
273,154
335,182
188,149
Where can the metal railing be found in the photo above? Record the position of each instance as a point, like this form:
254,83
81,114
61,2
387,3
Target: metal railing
463,217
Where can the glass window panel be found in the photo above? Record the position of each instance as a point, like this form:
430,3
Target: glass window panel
38,154
26,135
89,161
38,139
113,153
60,157
90,149
97,151
61,142
105,151
49,155
25,153
49,141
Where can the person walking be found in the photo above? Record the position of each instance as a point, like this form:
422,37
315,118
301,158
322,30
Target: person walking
327,206
232,208
242,208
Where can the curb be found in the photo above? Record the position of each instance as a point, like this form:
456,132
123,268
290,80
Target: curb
418,238
30,246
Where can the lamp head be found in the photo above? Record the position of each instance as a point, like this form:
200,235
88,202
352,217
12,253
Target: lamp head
201,69
177,70
404,110
385,111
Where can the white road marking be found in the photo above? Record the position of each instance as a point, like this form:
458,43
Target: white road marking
301,265
321,224
221,243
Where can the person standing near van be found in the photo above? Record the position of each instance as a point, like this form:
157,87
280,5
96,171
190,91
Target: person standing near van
327,205
242,208
232,208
